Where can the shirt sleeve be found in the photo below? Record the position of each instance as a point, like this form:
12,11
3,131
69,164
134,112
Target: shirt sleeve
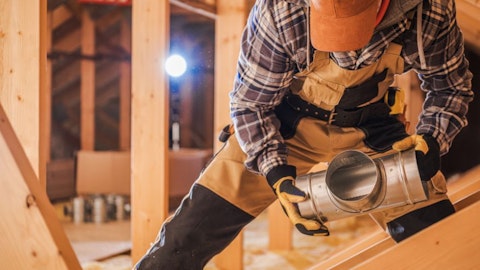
264,73
446,80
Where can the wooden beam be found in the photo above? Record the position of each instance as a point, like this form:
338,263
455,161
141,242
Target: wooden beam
35,238
360,248
451,243
197,7
150,106
87,94
229,23
109,19
465,188
125,86
60,15
45,105
462,191
280,229
69,43
19,71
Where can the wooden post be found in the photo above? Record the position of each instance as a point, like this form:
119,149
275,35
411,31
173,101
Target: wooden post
87,95
125,86
45,91
34,238
149,149
280,229
231,19
19,71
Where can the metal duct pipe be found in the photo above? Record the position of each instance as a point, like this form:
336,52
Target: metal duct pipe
355,184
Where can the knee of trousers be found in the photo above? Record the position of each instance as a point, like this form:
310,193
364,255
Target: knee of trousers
202,226
227,176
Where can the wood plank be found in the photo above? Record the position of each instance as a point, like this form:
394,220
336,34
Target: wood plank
70,42
60,15
232,256
363,245
35,238
87,88
229,23
125,86
231,18
462,191
150,114
196,7
280,229
19,71
365,254
464,186
98,241
442,246
45,106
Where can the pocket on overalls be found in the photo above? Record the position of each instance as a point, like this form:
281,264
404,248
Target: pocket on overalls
320,92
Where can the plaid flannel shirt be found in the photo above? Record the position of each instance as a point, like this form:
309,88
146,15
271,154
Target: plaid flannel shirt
274,48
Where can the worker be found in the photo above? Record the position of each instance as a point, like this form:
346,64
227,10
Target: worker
313,79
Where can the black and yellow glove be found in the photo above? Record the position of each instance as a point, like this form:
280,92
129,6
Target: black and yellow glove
427,152
282,179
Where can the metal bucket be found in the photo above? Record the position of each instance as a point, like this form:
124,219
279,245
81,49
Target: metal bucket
355,184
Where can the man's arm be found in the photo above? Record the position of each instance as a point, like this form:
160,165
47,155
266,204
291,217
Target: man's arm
446,79
264,74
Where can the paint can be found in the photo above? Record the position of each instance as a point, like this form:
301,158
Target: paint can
99,209
78,209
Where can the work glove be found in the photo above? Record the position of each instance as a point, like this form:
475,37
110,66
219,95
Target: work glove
427,152
282,179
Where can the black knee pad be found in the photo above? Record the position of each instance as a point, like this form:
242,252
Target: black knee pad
415,221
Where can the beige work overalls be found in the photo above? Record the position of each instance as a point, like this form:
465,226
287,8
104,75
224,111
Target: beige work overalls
314,141
227,196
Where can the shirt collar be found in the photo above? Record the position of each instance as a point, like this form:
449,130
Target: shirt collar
397,11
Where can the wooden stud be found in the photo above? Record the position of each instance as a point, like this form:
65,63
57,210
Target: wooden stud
280,229
229,23
19,71
149,149
125,86
45,91
87,89
60,15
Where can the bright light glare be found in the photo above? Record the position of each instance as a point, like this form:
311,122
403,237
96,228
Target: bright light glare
175,65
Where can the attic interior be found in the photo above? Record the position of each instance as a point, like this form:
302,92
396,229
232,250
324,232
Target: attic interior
192,33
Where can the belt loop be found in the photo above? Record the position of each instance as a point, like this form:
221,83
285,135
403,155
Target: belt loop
331,117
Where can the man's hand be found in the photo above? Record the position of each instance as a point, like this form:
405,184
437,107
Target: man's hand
289,196
427,152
